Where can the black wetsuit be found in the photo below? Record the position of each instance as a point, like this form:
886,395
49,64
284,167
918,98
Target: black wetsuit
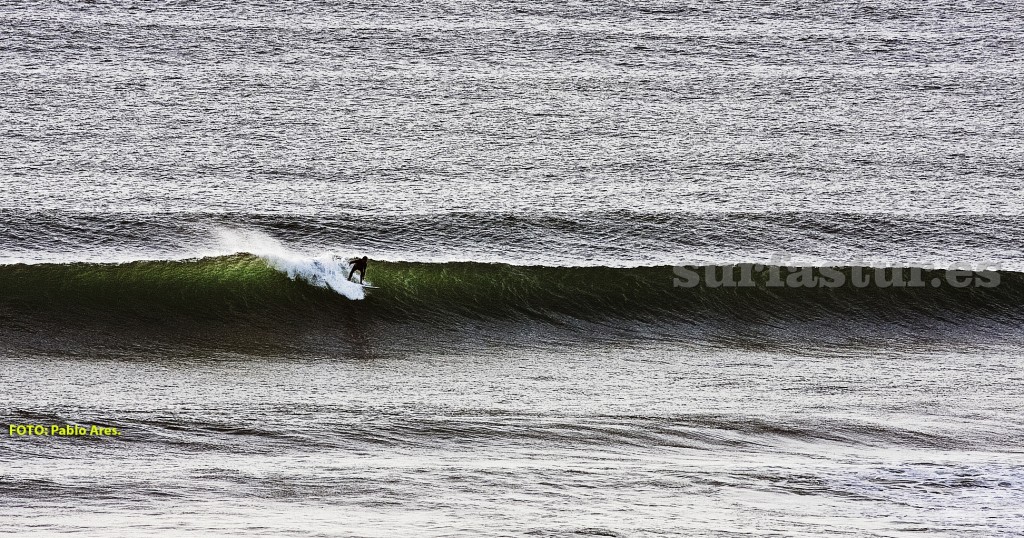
358,265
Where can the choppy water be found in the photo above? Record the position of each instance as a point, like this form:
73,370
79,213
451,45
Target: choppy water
181,184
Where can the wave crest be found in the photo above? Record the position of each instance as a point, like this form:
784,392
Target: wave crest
325,270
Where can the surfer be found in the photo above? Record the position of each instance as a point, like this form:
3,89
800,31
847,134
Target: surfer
358,264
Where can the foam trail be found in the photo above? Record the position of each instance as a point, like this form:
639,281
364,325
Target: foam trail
325,270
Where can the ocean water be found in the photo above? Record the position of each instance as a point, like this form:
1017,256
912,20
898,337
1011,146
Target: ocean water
642,268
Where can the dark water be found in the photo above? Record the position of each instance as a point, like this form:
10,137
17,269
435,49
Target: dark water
535,183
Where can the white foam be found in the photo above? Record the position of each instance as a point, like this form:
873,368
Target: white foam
326,270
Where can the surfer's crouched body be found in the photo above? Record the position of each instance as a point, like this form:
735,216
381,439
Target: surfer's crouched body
358,264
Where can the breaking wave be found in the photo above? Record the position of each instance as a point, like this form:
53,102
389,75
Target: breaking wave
282,285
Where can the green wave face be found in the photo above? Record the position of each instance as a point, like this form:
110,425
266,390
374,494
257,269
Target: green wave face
200,287
249,287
